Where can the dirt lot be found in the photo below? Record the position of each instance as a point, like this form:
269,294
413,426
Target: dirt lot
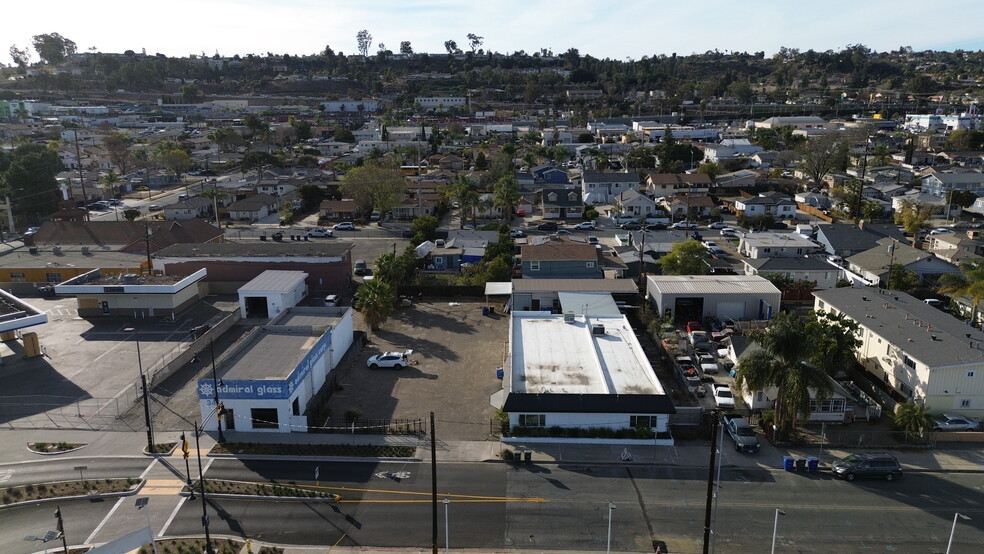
456,351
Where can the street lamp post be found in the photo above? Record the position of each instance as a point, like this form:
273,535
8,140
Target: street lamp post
775,528
611,507
447,531
215,385
146,396
201,481
184,450
953,529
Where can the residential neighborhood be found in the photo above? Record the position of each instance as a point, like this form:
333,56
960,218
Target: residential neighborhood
480,257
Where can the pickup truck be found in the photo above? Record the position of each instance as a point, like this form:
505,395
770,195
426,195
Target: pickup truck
708,365
742,433
722,396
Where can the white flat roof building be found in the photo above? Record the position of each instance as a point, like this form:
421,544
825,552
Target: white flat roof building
582,371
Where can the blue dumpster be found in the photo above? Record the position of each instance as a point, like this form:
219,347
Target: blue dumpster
813,464
788,463
485,310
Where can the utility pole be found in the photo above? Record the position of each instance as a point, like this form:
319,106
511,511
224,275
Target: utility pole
710,485
78,159
150,266
433,487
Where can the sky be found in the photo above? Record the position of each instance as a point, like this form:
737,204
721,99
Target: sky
603,29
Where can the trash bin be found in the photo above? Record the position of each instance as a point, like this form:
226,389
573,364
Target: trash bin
262,237
788,463
485,310
528,456
813,464
499,373
801,465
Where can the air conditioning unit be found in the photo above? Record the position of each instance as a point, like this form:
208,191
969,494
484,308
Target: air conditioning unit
56,249
597,329
85,250
568,317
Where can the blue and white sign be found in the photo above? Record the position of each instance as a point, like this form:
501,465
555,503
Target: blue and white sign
258,389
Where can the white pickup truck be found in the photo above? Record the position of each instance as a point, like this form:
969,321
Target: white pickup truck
722,396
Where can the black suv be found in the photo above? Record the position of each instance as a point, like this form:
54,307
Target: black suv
547,226
878,466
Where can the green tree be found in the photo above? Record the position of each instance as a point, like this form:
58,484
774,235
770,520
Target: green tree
786,345
53,48
177,160
374,187
969,282
507,197
109,182
364,41
913,218
311,196
397,270
118,146
214,194
913,419
835,341
900,278
28,176
424,226
685,258
375,300
131,215
782,281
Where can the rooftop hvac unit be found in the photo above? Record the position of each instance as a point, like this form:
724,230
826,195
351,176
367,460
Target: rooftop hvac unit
85,250
597,329
56,249
33,250
131,279
568,317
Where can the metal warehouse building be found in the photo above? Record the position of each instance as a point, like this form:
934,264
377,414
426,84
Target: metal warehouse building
694,297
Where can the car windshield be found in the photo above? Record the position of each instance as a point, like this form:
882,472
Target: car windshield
745,431
852,459
724,393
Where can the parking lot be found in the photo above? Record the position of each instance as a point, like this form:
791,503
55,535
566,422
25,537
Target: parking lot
456,351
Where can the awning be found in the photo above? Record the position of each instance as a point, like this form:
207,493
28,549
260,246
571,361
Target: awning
498,289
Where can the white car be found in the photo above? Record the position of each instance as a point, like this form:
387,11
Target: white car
722,396
708,364
684,225
344,226
941,231
319,232
585,226
516,233
718,225
729,232
395,360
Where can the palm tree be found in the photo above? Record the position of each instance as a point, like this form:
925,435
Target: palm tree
507,197
375,300
913,419
215,194
786,346
969,282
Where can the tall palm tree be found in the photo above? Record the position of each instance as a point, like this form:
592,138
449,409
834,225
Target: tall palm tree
786,346
507,197
375,300
215,194
969,282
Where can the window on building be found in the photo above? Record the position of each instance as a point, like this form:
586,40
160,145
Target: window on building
532,420
53,277
905,389
264,418
965,403
535,265
828,406
650,421
589,265
909,362
16,277
970,374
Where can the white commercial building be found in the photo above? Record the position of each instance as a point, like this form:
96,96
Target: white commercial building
694,297
269,379
272,292
583,371
921,352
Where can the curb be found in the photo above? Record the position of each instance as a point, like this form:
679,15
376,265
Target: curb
296,458
136,489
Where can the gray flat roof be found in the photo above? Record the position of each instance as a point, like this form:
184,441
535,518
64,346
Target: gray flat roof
307,319
909,324
315,248
617,286
272,355
274,280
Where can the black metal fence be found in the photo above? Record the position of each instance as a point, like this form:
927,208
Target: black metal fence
373,427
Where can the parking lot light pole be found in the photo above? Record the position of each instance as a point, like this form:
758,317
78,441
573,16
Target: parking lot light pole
775,528
953,529
611,507
215,385
201,481
146,396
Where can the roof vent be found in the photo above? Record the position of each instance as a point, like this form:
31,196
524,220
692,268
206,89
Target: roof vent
597,329
864,298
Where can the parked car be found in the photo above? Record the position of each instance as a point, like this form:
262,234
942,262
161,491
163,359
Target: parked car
563,233
718,225
395,360
656,227
320,232
742,433
331,300
516,233
722,396
684,225
630,226
154,208
547,226
406,233
375,216
360,267
693,326
729,232
877,466
592,239
585,226
708,365
941,231
344,226
952,422
30,231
